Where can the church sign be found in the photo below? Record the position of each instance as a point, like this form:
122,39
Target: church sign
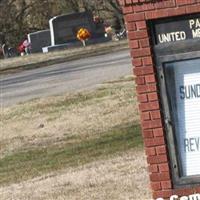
164,38
177,52
182,29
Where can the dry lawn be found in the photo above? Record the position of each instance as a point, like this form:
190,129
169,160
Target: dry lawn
47,120
117,172
60,56
120,178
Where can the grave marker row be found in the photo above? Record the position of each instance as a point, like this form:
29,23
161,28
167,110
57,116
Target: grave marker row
63,30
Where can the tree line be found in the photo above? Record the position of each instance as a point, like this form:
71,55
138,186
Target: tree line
19,17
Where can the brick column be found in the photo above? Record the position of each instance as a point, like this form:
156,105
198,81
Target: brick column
136,13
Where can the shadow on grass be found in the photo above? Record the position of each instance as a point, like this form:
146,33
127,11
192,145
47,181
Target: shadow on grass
31,163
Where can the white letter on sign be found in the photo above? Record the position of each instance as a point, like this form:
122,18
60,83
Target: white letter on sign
194,197
174,197
184,198
191,23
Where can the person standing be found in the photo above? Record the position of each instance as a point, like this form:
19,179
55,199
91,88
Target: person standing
27,46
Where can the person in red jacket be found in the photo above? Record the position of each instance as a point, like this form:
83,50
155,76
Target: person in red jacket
24,47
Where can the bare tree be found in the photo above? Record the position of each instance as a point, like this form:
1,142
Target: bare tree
7,19
113,7
18,17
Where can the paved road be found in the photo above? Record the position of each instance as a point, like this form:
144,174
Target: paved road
56,79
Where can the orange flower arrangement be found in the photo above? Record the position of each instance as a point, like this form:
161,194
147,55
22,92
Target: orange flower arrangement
83,34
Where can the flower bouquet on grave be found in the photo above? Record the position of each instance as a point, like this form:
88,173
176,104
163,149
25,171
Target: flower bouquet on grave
83,34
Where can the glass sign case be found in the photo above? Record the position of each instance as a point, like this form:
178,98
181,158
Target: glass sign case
184,96
179,77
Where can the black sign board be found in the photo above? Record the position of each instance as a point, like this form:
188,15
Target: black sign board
177,29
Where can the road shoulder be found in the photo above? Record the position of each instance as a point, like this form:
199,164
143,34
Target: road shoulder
34,61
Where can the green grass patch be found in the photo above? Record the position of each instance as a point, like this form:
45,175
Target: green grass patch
31,163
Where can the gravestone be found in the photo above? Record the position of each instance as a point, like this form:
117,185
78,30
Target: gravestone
65,27
5,51
39,40
2,41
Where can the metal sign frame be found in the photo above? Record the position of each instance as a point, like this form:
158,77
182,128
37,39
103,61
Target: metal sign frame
166,53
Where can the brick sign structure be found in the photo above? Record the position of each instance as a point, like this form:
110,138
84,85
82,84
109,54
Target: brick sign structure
164,38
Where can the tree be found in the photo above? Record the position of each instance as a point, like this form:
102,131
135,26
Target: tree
7,17
18,17
114,7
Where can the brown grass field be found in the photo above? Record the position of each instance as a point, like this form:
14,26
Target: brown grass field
85,145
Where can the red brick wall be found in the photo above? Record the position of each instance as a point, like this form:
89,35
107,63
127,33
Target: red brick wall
136,12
